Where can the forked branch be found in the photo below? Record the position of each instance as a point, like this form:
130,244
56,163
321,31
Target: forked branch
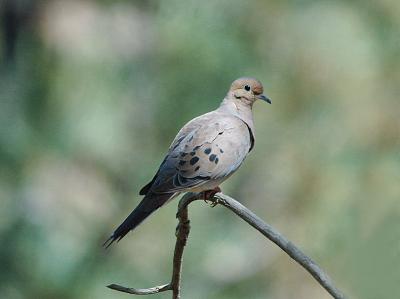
182,234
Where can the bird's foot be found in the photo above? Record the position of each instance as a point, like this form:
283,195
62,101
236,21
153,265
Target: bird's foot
208,194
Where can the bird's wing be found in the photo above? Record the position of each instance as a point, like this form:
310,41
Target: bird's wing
210,147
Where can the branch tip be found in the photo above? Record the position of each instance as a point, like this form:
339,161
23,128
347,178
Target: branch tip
182,233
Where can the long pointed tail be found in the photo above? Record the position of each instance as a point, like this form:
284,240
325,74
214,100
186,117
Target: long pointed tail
150,203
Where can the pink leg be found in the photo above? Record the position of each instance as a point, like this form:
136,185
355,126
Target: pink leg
210,193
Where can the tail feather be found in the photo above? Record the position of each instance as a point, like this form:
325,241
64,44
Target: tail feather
150,203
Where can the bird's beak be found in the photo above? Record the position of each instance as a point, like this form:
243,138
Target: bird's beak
264,98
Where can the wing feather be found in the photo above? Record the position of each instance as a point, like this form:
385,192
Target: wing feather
210,147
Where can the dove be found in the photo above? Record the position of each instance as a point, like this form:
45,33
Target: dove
204,153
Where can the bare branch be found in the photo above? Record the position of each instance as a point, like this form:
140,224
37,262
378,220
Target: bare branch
268,231
154,290
292,250
182,234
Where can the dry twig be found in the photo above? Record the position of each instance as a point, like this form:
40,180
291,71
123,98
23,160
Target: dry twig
182,234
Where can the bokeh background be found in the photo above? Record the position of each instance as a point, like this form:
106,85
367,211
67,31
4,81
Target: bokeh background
93,92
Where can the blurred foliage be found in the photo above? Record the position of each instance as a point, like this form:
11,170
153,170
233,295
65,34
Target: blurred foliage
92,93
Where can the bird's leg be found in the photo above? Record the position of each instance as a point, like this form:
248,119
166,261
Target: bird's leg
210,194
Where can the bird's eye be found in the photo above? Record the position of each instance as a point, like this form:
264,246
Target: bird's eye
247,87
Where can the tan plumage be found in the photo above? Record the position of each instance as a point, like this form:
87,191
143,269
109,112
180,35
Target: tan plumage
205,152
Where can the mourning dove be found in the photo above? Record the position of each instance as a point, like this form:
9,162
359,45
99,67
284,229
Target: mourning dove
206,151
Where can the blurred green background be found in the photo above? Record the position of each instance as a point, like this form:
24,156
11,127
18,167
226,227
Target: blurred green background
93,92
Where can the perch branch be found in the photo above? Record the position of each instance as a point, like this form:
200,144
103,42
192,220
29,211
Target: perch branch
268,231
292,250
182,233
133,291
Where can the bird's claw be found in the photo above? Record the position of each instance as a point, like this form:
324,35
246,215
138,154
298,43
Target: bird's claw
208,194
214,203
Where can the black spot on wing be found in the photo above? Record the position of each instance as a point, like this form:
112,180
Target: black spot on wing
197,168
194,160
207,151
183,154
182,162
196,147
216,160
221,151
192,153
212,157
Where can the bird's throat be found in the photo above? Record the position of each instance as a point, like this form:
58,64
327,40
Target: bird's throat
240,109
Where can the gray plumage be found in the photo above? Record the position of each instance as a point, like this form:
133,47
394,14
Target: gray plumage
205,152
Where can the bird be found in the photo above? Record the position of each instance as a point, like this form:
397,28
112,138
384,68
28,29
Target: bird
205,152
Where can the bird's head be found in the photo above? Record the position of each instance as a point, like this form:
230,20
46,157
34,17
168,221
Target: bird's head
247,90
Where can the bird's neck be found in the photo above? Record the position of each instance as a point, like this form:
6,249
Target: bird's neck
239,109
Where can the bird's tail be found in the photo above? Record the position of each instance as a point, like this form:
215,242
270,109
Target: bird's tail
150,203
